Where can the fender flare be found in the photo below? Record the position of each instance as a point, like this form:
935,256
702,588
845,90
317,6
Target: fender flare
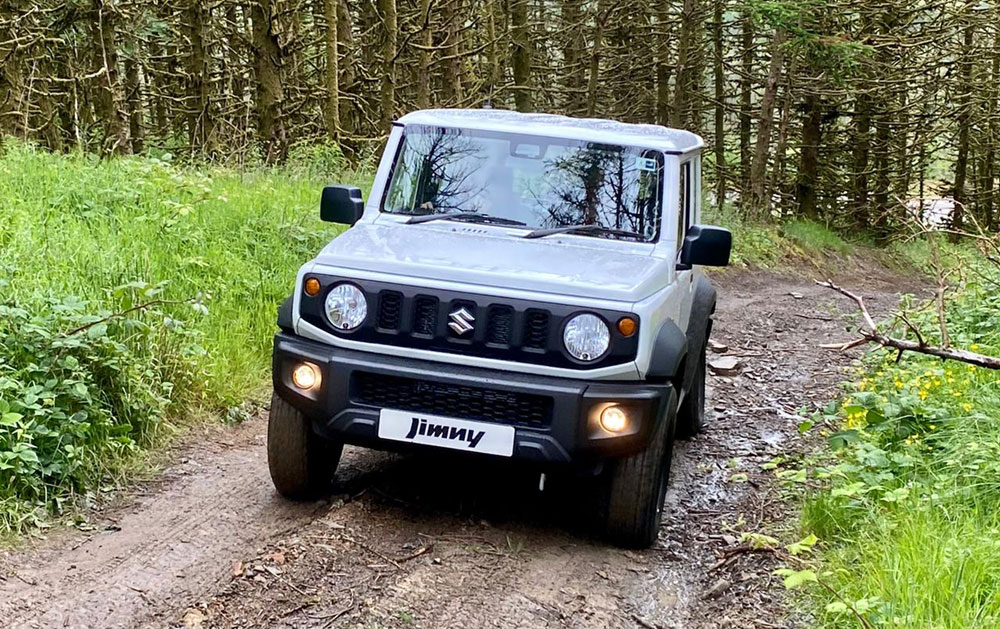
669,350
285,316
672,345
699,323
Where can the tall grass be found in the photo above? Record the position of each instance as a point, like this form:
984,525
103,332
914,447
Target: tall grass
773,245
204,255
908,503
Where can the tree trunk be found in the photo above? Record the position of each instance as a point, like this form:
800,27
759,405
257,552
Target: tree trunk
595,57
387,94
746,103
452,15
861,139
133,97
685,75
10,77
424,56
107,99
332,109
198,105
880,157
521,56
270,91
720,104
663,67
993,130
777,180
808,175
759,201
349,117
964,122
495,69
573,57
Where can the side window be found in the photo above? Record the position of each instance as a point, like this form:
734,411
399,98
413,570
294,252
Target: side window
684,203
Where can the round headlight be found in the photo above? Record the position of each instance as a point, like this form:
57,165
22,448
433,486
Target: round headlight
346,306
586,337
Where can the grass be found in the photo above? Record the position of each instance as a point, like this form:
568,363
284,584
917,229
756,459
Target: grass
779,245
204,255
906,502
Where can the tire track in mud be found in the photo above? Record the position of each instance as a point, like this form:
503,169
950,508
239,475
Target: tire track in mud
425,541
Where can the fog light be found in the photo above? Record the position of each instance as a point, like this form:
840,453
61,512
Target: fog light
305,376
614,419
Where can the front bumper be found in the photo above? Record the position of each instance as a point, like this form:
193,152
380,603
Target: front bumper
556,420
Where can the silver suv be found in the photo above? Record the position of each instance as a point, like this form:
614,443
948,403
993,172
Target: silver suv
517,286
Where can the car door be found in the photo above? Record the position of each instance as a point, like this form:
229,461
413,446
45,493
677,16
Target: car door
686,214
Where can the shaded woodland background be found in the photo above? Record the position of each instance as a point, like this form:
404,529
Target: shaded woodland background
835,110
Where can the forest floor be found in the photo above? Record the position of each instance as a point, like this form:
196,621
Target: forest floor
414,541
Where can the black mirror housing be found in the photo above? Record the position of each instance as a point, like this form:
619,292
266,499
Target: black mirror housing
341,204
706,245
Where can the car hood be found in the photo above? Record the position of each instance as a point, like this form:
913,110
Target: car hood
571,266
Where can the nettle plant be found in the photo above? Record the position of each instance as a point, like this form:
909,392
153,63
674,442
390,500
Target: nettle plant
82,388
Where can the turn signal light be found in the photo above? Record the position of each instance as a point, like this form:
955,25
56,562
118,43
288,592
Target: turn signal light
614,419
626,325
312,287
305,376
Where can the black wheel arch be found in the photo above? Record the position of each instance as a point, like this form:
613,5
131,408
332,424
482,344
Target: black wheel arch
672,347
699,324
285,315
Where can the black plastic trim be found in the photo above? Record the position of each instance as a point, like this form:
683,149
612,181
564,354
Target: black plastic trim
285,321
568,437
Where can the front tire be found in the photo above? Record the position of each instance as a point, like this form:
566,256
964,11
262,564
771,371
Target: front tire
301,462
691,416
637,485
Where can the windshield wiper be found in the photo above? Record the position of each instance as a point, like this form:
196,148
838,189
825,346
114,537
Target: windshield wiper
471,217
584,229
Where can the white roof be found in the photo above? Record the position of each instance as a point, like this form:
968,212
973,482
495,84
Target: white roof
591,129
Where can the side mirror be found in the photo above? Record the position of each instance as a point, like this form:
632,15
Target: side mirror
341,204
706,245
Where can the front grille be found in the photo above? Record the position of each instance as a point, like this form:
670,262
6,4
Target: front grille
425,310
499,325
390,309
504,328
536,329
449,400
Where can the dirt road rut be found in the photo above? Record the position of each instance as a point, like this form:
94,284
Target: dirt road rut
416,542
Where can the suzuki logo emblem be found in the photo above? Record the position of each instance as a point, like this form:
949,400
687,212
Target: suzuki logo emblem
461,321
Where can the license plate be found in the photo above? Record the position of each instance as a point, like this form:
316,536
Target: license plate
446,432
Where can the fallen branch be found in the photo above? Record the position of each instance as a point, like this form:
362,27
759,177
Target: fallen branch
423,550
127,311
871,334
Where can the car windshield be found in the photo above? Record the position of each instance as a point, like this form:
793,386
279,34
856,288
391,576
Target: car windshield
539,181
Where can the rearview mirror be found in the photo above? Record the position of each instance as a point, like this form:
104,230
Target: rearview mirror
341,204
706,245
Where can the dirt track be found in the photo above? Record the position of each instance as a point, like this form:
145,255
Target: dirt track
418,542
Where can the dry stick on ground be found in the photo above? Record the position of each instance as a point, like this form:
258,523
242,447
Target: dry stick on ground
871,334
